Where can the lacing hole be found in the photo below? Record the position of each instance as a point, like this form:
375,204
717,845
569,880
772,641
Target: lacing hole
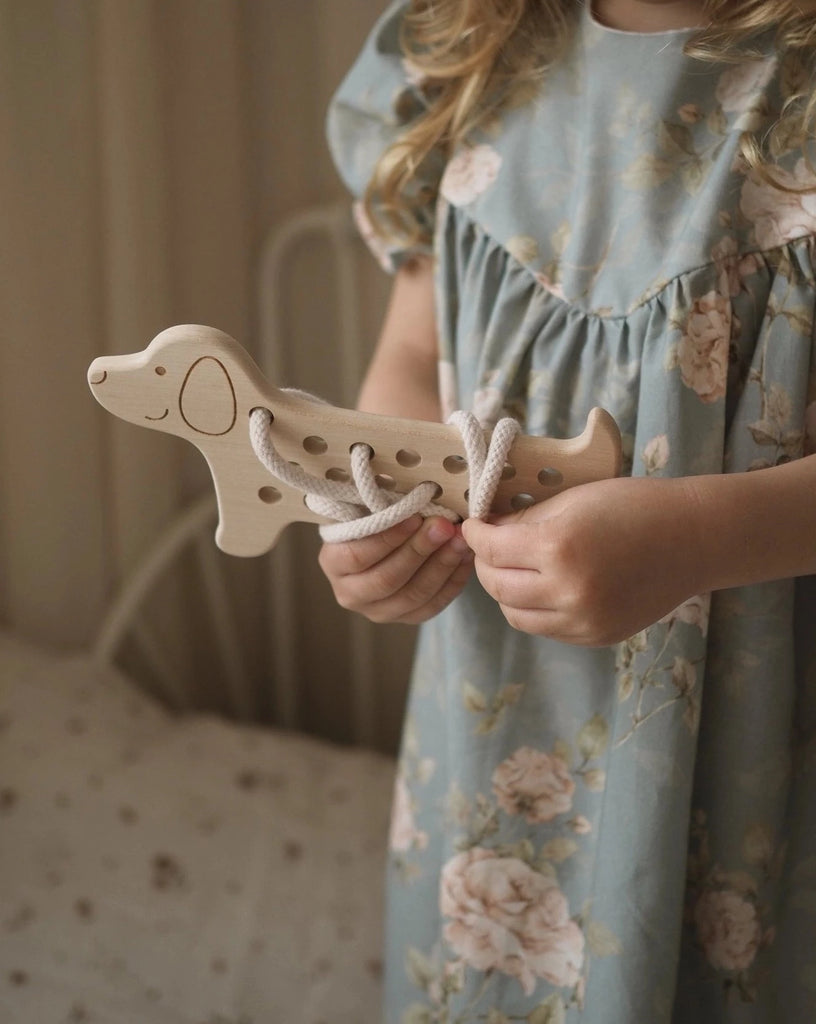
508,472
339,476
388,483
315,445
408,458
550,477
269,495
521,501
260,408
365,445
455,464
438,492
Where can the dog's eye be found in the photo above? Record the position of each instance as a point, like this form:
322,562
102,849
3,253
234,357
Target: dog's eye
160,370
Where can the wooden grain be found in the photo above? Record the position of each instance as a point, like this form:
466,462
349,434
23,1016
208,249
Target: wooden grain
200,384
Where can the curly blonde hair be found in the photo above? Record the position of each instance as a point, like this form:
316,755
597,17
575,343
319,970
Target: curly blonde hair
473,58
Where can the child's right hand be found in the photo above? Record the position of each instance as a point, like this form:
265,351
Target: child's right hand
408,573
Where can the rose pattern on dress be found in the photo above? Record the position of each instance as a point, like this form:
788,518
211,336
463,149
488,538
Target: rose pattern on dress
403,834
728,929
656,454
733,266
470,173
505,916
505,911
694,612
741,92
534,784
780,215
702,353
726,908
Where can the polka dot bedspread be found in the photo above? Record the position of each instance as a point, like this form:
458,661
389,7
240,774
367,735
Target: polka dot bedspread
157,869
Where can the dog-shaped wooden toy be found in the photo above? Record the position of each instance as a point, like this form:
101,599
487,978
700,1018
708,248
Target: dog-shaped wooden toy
199,383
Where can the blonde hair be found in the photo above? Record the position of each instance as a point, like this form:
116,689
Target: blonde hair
473,58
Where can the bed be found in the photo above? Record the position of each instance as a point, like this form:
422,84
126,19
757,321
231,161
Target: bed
165,859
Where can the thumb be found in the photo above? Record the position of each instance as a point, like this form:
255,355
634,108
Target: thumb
476,532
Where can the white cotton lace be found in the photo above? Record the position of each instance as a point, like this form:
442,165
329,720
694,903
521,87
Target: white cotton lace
362,507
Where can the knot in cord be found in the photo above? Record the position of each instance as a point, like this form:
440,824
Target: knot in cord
363,508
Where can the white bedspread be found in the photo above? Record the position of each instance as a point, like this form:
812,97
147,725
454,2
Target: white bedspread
156,870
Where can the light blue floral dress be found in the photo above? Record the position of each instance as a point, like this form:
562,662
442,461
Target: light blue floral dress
623,835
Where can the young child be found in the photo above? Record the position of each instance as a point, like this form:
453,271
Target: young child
603,811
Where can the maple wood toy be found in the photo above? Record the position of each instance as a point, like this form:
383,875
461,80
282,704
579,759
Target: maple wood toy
199,383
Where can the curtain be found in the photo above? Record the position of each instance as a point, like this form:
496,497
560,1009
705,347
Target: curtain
146,147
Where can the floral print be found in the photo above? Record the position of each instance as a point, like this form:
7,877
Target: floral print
780,216
693,612
534,784
403,834
702,353
470,173
508,917
656,454
727,909
502,910
626,833
728,929
741,91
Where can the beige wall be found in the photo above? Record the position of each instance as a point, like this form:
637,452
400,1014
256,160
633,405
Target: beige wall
146,146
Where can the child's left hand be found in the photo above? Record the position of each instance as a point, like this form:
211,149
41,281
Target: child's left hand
597,563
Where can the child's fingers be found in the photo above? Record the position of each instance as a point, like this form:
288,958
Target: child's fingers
515,588
396,570
350,557
402,571
551,624
508,545
429,590
451,589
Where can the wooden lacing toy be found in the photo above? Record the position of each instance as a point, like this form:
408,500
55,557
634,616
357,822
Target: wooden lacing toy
199,383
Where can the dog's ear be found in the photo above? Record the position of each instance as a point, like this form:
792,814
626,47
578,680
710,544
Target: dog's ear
207,398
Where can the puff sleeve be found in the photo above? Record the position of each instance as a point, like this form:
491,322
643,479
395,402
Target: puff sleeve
374,104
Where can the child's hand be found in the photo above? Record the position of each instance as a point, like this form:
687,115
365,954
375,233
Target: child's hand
407,574
597,563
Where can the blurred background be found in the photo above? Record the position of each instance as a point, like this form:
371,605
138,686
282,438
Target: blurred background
197,833
149,149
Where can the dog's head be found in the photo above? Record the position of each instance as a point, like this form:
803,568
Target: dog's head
188,381
200,384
